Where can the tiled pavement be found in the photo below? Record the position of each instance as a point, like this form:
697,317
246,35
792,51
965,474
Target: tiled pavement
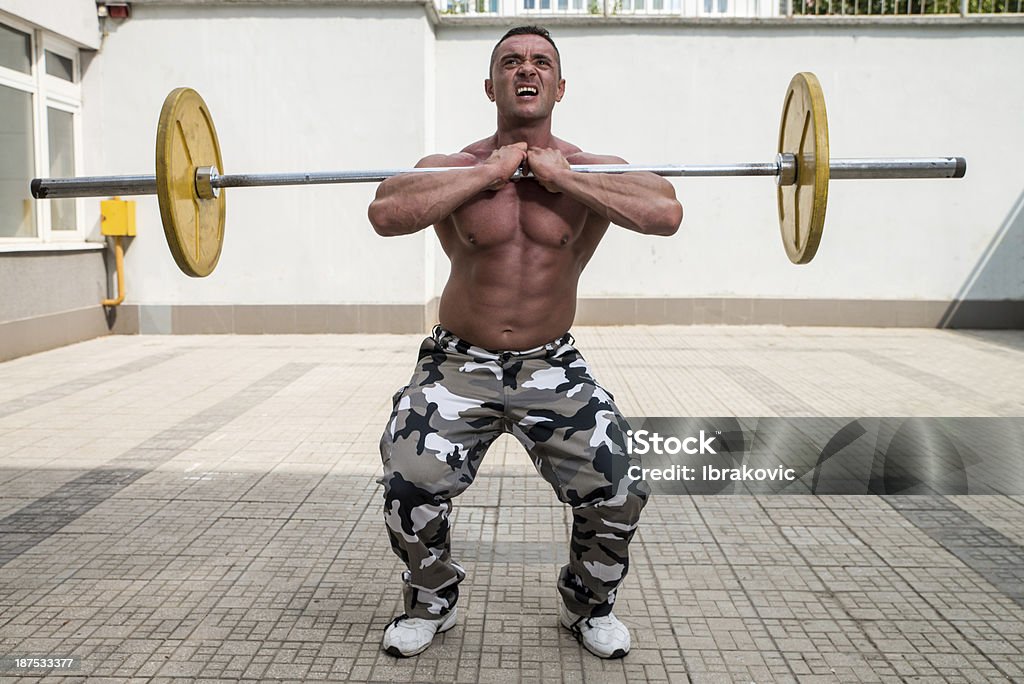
205,508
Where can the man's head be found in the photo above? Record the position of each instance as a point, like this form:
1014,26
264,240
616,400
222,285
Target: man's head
525,77
526,31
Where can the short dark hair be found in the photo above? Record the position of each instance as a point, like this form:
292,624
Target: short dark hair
526,31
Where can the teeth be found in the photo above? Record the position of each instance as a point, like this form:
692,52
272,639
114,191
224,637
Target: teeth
526,90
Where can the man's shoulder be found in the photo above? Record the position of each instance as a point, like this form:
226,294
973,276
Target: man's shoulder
479,150
470,155
444,160
574,155
582,157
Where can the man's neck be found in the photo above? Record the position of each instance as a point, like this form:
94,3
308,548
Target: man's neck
534,133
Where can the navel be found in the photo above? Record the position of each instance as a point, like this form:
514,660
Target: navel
471,238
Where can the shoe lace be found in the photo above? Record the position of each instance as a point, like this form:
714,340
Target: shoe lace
602,621
400,618
404,617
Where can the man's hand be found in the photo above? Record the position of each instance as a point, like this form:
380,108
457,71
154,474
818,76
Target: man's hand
545,165
507,159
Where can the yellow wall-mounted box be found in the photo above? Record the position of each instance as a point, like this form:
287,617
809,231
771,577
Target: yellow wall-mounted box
117,217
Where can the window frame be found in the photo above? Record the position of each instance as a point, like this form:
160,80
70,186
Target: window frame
22,27
727,11
47,92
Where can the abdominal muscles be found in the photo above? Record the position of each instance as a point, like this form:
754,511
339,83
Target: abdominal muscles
515,267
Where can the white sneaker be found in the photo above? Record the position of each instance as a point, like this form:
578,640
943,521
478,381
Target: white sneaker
407,636
605,637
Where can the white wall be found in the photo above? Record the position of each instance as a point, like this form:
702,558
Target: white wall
72,19
713,95
315,88
348,87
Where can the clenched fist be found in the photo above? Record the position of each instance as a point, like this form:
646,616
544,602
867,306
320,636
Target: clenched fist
545,165
507,159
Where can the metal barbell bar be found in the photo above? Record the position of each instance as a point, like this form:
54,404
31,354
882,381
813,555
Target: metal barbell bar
192,208
209,181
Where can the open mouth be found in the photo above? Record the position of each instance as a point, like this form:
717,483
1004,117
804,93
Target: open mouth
526,91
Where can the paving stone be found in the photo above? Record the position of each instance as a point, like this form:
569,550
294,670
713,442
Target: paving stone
205,509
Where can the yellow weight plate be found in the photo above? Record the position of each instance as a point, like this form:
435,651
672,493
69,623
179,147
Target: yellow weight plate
185,139
804,133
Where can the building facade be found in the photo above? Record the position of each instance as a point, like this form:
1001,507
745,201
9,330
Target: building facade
296,86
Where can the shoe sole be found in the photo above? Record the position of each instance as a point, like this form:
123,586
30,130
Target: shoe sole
616,654
393,650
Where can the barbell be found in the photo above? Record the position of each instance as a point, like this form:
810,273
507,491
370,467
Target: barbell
189,177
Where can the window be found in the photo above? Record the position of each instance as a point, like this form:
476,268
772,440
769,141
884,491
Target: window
40,106
60,66
16,150
557,6
15,49
650,6
62,163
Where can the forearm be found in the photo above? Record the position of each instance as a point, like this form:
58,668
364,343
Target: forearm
642,202
411,202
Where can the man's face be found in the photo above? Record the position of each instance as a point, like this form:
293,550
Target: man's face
525,80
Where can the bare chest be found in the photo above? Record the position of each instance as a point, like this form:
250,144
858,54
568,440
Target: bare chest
522,211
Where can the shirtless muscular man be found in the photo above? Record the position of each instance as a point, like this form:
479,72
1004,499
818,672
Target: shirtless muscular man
501,359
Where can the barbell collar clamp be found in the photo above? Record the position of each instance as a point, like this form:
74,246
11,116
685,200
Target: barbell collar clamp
786,162
206,178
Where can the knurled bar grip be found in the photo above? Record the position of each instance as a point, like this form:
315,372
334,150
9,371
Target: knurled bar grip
839,169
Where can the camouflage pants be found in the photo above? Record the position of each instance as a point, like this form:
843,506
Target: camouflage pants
461,398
